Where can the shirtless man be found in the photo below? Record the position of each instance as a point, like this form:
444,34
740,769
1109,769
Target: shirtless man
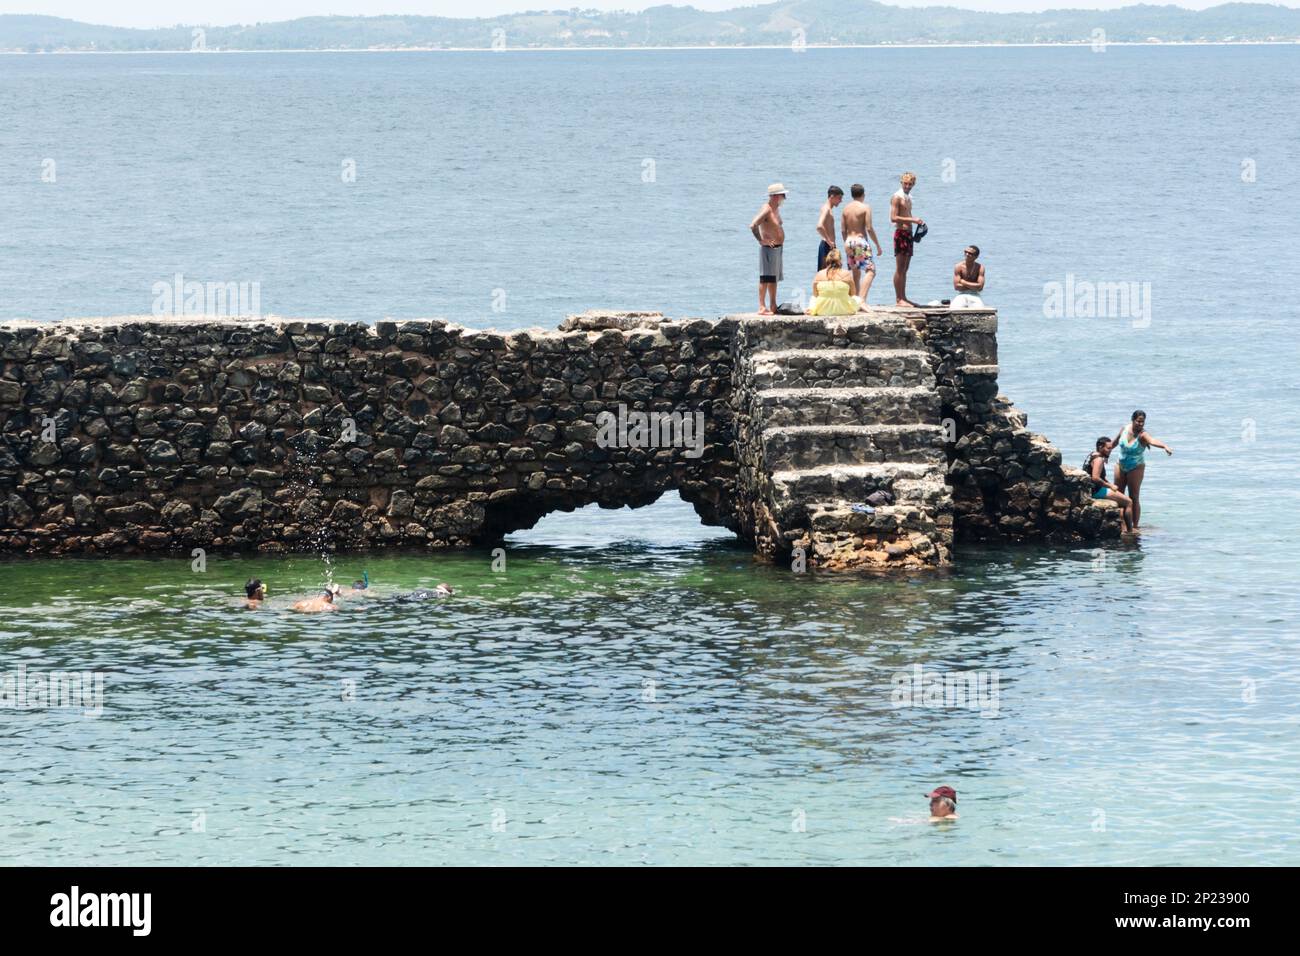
255,593
770,233
968,281
900,214
856,224
826,225
325,602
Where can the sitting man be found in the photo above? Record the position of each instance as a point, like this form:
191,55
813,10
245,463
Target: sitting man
968,281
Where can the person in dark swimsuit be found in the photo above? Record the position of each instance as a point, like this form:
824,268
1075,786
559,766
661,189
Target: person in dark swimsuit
1095,466
425,594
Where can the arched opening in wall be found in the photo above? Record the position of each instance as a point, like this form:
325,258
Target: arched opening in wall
669,522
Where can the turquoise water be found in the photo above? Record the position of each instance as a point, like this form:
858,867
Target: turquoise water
1147,694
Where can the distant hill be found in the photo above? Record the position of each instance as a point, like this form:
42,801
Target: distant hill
823,22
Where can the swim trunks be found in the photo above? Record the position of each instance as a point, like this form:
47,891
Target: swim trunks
823,247
859,252
769,264
1101,491
903,241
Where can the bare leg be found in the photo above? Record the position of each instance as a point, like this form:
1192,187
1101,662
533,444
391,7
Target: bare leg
762,288
901,262
868,277
1134,490
857,281
1126,508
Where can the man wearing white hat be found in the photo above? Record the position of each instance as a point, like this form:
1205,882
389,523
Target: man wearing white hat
770,233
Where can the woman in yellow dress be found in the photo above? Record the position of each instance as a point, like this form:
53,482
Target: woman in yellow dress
831,289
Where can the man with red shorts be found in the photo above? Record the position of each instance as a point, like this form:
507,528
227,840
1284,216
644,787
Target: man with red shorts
900,214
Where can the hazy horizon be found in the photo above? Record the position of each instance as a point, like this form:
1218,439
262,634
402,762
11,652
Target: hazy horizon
147,14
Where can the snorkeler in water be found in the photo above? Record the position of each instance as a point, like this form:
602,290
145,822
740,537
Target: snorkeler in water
323,602
426,594
358,587
255,593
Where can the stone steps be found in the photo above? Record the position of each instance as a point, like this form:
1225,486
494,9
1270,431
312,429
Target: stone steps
785,407
810,446
782,332
885,521
842,408
907,481
840,368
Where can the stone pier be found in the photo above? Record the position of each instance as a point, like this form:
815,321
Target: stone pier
161,435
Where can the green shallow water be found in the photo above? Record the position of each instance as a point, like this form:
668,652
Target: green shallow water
517,721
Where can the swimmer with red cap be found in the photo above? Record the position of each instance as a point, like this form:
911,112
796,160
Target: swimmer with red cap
943,804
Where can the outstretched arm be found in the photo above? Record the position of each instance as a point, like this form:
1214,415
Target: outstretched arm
1152,442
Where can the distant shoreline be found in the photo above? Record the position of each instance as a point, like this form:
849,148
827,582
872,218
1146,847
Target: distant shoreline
975,44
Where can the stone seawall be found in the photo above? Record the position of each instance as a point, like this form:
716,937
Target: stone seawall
152,435
135,435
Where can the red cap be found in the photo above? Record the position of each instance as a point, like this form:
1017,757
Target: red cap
948,792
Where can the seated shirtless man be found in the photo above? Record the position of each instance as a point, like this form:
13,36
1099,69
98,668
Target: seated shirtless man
968,281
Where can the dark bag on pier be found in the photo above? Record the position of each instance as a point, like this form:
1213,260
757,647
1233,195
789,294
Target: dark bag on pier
788,308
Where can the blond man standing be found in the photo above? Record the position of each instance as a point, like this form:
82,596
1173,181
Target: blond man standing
900,214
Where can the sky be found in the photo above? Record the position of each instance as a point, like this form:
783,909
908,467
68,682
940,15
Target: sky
153,13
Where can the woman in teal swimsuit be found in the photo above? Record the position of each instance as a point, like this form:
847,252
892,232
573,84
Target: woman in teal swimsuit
1133,441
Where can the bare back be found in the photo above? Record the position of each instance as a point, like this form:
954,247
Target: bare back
856,218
